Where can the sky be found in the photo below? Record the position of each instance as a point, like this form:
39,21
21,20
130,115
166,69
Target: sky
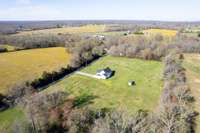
163,10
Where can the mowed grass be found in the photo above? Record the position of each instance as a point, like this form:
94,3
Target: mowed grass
115,92
8,117
70,30
164,32
192,65
20,66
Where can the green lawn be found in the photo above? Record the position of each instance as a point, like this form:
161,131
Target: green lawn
8,117
115,92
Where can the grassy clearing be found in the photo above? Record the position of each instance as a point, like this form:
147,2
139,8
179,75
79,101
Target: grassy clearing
192,65
71,30
8,117
115,92
163,32
17,67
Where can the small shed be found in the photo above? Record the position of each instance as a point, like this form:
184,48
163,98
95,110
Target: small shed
131,82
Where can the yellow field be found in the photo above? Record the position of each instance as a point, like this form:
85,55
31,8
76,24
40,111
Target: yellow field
20,66
71,30
163,32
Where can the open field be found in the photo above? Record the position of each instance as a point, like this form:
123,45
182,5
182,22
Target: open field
8,117
192,65
20,66
71,30
115,92
163,32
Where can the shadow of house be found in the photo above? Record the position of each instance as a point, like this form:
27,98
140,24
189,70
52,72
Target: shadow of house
112,74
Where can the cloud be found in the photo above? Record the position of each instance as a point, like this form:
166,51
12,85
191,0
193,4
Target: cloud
23,2
31,12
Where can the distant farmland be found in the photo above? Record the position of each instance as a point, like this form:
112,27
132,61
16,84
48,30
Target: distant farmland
20,66
164,32
71,30
115,92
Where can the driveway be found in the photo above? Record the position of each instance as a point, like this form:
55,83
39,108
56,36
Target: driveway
87,74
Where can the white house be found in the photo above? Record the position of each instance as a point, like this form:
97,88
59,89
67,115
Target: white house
99,37
104,73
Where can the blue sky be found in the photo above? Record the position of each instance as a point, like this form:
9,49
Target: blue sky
164,10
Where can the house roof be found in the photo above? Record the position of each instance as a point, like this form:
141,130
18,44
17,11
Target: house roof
106,70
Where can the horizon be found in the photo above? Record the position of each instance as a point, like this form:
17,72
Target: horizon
66,10
123,20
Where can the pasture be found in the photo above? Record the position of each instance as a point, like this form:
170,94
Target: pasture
164,32
115,92
20,66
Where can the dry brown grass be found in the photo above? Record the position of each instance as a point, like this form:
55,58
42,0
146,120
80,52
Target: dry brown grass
20,66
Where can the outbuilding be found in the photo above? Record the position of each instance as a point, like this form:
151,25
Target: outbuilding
131,83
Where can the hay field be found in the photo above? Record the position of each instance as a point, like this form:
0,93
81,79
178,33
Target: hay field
164,32
17,67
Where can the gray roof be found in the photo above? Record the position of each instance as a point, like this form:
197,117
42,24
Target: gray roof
106,70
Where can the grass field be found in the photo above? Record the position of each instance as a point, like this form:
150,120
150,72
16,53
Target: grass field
8,47
192,65
115,92
8,117
17,67
71,30
163,32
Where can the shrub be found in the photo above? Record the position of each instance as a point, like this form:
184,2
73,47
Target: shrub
17,93
38,106
198,34
186,44
121,122
2,49
48,77
3,104
85,51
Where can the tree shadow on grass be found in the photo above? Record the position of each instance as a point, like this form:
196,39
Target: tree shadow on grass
83,100
3,104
